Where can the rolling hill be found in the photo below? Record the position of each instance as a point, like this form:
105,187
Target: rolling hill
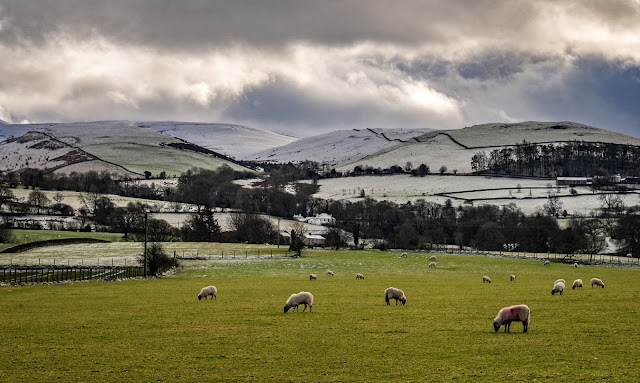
125,148
339,147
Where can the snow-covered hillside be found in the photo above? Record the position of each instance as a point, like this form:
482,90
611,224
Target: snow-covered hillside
232,140
454,148
339,147
102,146
500,134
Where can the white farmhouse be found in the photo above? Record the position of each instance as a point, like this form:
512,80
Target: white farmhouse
322,219
312,240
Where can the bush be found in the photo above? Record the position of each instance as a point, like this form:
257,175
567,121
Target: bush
157,260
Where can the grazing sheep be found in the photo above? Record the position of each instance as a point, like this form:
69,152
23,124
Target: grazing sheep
329,273
403,255
547,263
359,276
596,282
486,279
312,277
512,277
206,291
432,264
302,298
432,258
577,284
575,264
558,288
517,313
393,293
559,280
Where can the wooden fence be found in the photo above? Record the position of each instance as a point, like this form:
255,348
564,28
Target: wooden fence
16,275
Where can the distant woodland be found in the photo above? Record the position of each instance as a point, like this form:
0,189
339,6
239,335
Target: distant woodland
571,159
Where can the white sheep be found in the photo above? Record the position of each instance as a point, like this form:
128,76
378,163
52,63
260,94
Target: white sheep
393,293
432,264
559,280
575,264
312,277
403,255
546,263
432,258
512,277
359,276
486,279
302,298
577,284
596,282
206,291
517,313
558,288
329,273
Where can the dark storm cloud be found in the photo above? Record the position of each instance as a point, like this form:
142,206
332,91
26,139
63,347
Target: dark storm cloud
305,67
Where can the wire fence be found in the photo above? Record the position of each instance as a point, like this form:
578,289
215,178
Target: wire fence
21,274
236,254
585,259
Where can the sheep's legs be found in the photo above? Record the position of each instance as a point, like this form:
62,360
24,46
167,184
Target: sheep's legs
526,325
305,307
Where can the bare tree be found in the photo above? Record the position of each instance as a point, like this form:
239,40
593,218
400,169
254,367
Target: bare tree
38,199
611,202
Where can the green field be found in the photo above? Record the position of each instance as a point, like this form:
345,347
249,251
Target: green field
24,236
157,330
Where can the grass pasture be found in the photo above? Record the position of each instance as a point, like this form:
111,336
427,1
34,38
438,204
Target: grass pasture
157,330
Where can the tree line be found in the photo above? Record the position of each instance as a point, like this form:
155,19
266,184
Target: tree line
570,159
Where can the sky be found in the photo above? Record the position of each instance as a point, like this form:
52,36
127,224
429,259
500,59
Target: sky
302,67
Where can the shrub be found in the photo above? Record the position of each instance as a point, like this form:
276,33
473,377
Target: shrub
157,260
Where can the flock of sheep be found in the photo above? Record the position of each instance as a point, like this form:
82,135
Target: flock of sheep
521,313
506,315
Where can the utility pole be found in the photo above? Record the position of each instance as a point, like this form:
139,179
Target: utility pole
278,232
145,243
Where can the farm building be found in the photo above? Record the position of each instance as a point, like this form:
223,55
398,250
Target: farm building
312,240
320,219
573,181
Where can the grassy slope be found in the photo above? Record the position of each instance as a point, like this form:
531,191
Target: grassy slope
144,330
24,236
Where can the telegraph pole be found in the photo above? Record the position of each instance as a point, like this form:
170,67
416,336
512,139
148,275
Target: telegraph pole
145,243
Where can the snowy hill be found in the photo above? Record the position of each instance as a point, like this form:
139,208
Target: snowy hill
102,146
454,148
497,134
232,140
339,147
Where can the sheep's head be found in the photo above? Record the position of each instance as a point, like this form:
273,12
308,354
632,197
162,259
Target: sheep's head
403,300
286,308
496,326
553,292
199,297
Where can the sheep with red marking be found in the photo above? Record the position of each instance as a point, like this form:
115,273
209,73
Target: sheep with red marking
206,291
517,313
